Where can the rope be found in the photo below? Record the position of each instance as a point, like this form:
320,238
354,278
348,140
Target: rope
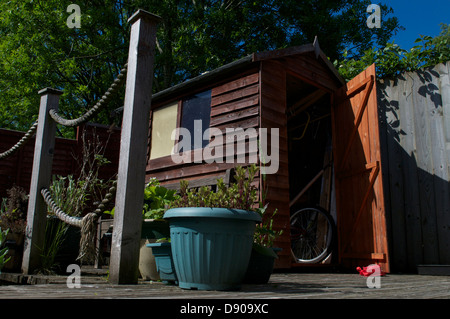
88,223
88,250
28,135
71,220
96,108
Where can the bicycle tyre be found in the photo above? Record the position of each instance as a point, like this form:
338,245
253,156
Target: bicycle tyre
307,244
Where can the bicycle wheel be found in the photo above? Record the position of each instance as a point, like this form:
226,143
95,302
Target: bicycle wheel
312,231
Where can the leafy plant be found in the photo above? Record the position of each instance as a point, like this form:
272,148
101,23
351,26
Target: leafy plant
69,194
3,251
156,200
241,194
264,233
65,191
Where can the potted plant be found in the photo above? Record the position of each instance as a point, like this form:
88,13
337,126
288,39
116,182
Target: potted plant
212,232
263,254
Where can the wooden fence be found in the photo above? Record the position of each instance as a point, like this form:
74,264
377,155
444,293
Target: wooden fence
415,142
16,169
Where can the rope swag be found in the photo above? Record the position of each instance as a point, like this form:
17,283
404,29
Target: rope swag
97,107
28,135
88,223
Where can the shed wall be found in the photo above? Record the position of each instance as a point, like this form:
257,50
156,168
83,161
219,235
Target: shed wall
234,104
275,187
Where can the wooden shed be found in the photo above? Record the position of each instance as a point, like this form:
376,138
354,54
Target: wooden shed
299,98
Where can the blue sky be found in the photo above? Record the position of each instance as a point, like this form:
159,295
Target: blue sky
418,17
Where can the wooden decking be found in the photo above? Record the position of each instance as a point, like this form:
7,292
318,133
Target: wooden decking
94,285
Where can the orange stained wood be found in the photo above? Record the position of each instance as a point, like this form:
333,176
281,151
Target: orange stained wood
359,189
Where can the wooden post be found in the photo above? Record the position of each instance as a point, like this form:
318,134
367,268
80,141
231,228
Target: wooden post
40,178
124,264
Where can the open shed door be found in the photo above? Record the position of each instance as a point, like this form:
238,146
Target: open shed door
361,222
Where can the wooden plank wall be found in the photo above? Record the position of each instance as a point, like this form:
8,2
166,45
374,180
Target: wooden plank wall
16,169
276,186
415,132
234,104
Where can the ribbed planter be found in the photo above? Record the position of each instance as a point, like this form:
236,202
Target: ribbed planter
211,247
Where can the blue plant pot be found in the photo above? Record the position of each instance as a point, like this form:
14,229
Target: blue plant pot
164,262
211,247
260,266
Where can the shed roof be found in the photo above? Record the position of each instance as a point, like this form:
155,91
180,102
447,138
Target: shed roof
244,63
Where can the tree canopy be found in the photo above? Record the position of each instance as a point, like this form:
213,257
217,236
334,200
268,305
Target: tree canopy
38,49
391,59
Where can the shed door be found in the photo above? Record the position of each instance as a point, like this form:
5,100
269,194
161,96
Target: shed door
359,189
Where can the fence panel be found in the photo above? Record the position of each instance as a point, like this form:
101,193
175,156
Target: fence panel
415,119
16,169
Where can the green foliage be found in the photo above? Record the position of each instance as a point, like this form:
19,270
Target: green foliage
3,250
68,194
156,200
38,50
264,233
55,234
239,195
392,60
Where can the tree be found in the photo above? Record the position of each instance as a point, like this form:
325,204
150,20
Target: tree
392,60
39,49
339,25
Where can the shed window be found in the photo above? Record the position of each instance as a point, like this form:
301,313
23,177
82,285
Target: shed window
164,121
195,118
